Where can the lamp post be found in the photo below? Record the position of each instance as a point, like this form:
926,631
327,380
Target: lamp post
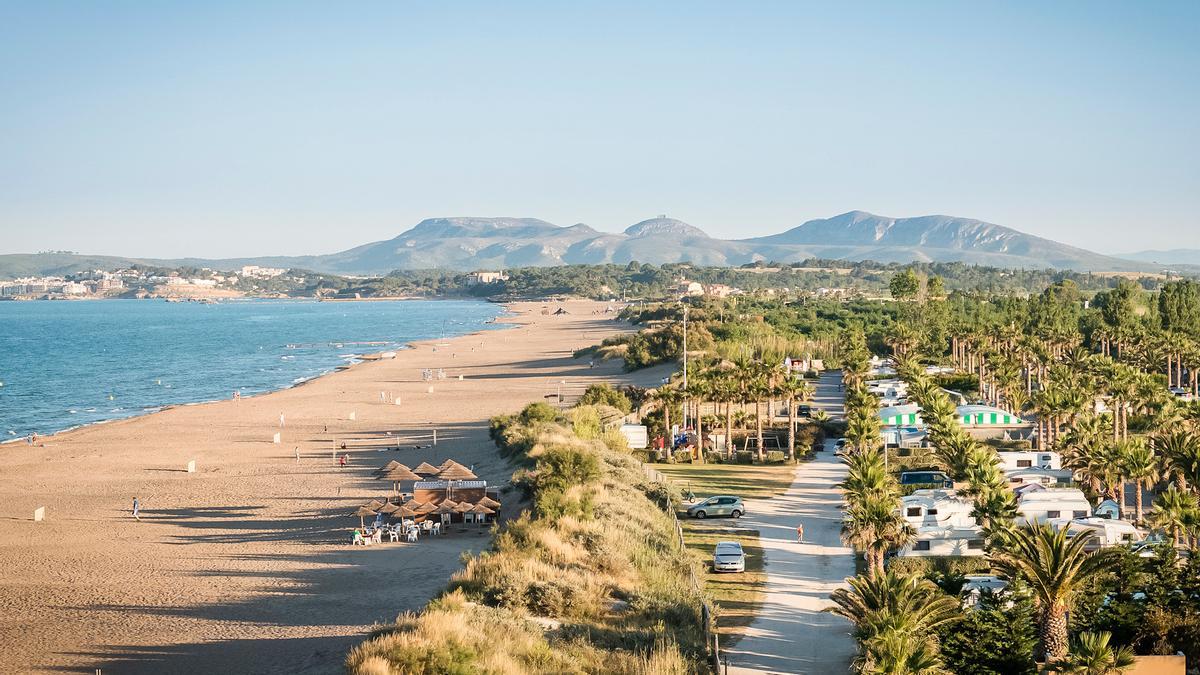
685,369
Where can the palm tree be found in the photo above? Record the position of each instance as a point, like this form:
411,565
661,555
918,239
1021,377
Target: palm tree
894,617
1181,451
1173,511
1139,465
1093,655
795,389
875,526
667,397
898,652
1055,565
697,391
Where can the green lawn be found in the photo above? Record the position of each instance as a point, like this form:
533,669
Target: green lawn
738,596
742,480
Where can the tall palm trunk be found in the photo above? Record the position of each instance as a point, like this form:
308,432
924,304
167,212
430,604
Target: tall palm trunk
791,429
1053,632
729,429
699,431
758,423
1137,500
667,423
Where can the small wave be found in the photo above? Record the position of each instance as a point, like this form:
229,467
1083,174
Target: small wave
72,411
89,410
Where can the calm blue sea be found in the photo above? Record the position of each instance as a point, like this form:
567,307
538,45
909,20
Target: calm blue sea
64,364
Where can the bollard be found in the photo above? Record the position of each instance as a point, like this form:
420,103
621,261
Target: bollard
191,467
39,514
275,439
435,436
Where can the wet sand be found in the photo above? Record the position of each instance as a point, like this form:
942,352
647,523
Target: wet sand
244,566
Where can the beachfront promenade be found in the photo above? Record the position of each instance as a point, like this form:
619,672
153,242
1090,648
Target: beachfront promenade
245,565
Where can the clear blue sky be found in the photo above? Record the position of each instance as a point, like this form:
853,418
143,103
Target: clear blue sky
220,129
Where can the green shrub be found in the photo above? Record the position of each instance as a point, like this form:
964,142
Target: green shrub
539,412
775,457
604,394
937,568
743,457
585,422
560,467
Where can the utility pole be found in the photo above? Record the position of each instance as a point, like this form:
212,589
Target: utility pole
685,384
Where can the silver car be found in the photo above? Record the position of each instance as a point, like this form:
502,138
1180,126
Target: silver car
729,557
721,505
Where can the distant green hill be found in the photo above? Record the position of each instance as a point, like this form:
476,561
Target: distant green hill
16,265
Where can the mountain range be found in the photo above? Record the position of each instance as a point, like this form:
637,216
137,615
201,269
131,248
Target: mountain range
1175,256
493,243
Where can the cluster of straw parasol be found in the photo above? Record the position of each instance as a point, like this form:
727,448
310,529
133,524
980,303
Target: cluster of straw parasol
449,471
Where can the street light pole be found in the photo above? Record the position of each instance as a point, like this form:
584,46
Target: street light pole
685,364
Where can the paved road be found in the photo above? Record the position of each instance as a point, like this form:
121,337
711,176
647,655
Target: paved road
791,634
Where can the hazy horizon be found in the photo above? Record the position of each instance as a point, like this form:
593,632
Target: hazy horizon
224,130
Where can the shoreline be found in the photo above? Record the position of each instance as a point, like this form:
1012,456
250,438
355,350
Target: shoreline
245,564
358,360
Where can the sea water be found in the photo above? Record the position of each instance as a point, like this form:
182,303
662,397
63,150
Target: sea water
68,363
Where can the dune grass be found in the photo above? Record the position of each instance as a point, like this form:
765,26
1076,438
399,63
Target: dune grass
590,580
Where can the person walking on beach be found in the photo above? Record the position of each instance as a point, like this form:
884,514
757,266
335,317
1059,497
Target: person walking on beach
342,461
280,420
137,507
297,454
800,533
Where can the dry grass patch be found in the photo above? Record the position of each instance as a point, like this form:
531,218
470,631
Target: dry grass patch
743,480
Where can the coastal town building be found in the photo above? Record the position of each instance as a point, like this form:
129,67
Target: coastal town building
256,272
476,278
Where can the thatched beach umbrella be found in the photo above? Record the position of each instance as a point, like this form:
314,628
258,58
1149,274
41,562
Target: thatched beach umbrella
425,508
404,512
400,474
373,505
362,514
393,464
412,504
388,508
446,506
463,507
456,471
481,510
490,503
426,469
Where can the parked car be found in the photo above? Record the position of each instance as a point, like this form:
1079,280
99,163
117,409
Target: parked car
925,478
721,505
728,557
804,411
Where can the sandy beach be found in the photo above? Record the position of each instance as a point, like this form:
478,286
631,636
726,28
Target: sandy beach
244,566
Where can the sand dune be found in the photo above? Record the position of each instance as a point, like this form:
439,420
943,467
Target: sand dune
243,566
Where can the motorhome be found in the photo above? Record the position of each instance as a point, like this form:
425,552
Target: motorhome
1052,505
936,508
